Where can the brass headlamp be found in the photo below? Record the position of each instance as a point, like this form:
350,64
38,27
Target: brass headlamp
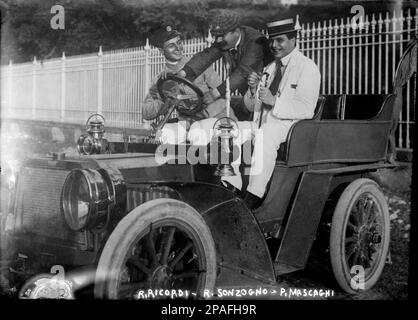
93,142
225,131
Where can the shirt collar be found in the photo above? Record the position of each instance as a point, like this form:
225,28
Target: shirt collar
172,63
176,66
285,60
238,42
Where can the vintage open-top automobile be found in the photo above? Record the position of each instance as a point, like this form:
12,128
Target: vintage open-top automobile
132,223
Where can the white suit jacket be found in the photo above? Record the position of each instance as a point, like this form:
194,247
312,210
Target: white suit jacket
298,90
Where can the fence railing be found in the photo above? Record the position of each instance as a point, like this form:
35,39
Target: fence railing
353,58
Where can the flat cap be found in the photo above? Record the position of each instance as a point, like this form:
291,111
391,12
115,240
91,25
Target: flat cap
162,35
224,21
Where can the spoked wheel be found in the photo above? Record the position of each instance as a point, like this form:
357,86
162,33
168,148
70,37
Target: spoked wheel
360,235
162,244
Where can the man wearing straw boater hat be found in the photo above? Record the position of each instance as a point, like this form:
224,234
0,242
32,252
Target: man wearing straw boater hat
170,43
285,93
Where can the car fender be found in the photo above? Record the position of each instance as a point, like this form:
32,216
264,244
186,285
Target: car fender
242,253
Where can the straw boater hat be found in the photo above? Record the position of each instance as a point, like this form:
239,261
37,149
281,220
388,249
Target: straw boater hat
280,27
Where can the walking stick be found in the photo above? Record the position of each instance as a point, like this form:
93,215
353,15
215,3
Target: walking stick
262,108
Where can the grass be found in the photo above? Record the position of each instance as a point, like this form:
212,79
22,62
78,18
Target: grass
394,280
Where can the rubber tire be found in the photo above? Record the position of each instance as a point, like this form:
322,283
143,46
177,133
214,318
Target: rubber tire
338,227
137,222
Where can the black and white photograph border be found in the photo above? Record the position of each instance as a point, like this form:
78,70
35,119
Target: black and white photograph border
136,151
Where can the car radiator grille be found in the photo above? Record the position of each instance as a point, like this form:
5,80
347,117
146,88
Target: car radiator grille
38,204
136,195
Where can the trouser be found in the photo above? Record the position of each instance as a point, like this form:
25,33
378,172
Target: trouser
201,133
267,141
264,156
176,133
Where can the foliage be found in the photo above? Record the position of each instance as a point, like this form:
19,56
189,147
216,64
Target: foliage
116,24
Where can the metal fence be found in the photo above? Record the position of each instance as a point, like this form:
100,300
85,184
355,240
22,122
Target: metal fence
353,58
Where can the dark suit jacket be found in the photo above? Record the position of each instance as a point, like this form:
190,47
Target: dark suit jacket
252,55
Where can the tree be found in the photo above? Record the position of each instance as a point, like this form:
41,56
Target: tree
116,24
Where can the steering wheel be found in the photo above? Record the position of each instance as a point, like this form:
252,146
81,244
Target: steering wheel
187,104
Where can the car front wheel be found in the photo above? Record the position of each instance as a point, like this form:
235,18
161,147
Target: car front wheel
163,244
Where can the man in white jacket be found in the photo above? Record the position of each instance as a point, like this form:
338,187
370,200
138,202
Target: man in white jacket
287,92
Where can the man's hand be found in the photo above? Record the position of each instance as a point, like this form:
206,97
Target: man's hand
158,135
211,96
165,73
266,97
181,73
154,92
253,80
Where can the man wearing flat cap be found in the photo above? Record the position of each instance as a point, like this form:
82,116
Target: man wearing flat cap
242,47
285,93
170,43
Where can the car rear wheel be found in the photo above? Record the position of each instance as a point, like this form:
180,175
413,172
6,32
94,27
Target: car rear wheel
162,244
360,234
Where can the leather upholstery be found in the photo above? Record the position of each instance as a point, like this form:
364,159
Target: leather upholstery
362,107
345,107
332,107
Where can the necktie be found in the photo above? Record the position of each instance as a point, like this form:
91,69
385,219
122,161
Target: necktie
274,85
232,58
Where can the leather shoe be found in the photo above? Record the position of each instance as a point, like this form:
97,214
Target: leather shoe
252,201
